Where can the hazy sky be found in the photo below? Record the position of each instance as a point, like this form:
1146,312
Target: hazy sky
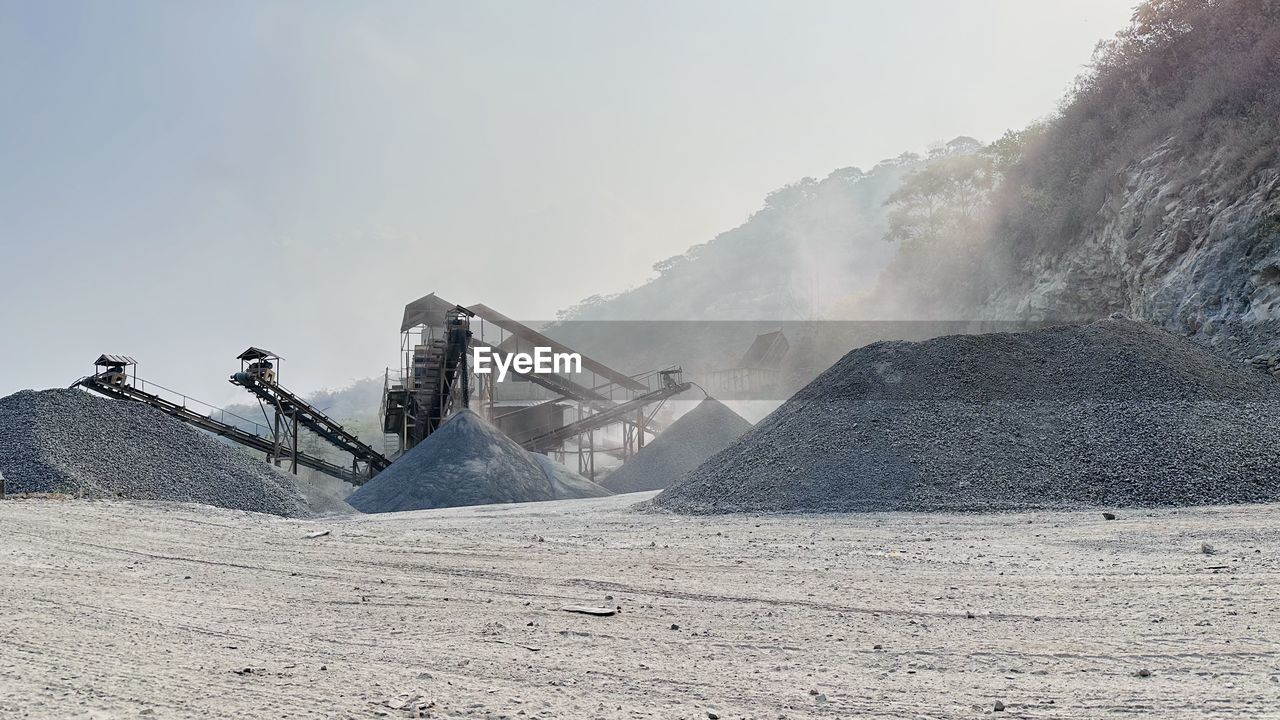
179,180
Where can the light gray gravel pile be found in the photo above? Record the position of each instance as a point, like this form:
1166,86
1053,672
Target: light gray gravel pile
1115,413
467,461
565,483
319,500
684,445
68,441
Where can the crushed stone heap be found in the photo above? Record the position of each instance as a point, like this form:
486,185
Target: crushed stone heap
467,461
1114,413
691,439
70,442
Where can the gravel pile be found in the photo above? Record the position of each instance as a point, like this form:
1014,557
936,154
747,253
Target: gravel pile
1115,413
565,483
68,441
467,461
318,500
684,445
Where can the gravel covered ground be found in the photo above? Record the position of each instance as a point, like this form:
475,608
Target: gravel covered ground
683,446
68,441
1112,414
113,609
467,461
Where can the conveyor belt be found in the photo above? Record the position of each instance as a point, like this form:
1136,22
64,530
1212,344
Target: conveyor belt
525,332
554,383
553,439
204,422
290,405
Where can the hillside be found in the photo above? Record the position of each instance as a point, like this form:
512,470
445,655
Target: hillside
1154,191
812,242
1178,216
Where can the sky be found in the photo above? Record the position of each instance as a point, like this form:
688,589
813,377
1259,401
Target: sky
180,180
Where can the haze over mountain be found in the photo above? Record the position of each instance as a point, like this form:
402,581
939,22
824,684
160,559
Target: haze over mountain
812,242
1153,191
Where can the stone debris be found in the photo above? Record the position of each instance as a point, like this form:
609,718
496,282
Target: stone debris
467,461
1114,413
1266,363
565,483
73,443
683,446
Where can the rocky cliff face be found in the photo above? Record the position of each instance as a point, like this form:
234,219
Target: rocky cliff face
1155,191
1170,246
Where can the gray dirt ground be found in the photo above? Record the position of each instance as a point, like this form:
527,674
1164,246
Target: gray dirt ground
114,609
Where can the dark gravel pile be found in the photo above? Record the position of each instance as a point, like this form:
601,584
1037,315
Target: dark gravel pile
467,461
1115,413
687,443
68,441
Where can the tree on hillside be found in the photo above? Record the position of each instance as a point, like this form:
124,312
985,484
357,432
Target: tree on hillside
1193,75
939,206
939,217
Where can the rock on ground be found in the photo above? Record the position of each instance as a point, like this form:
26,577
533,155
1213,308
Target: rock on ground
684,445
1114,413
467,461
70,442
